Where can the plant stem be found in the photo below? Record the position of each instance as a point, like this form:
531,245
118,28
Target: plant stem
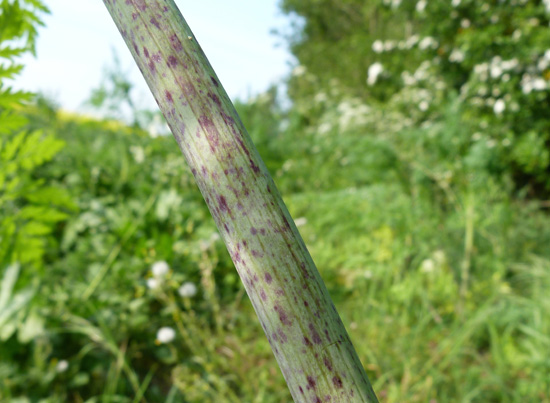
468,251
306,334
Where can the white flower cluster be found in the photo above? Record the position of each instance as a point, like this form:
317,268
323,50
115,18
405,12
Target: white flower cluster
496,69
320,98
62,366
421,74
187,290
438,258
392,3
546,5
531,83
379,46
428,42
165,335
499,106
456,56
533,79
375,70
160,270
544,61
421,6
423,89
138,153
298,71
352,113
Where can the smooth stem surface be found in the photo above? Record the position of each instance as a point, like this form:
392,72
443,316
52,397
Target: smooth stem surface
306,334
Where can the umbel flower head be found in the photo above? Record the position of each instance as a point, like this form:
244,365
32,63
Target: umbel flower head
165,335
160,269
187,290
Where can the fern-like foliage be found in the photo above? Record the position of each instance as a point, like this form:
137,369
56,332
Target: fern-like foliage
29,208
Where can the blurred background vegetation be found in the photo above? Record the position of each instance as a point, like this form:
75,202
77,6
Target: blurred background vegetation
412,147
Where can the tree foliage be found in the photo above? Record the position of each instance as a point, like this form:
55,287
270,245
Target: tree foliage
494,55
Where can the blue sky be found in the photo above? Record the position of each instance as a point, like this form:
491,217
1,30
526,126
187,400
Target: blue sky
77,44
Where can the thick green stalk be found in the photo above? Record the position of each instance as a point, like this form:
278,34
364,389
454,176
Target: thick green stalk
306,334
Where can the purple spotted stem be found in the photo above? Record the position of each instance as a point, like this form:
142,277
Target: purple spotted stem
306,334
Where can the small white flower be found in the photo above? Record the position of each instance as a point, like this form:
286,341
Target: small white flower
499,106
160,269
325,127
543,64
439,257
527,87
481,68
421,6
300,221
166,335
378,46
423,106
374,71
62,366
476,136
539,84
510,64
187,290
456,56
320,97
496,71
427,42
138,153
408,78
298,71
153,283
455,3
389,45
411,41
427,266
465,23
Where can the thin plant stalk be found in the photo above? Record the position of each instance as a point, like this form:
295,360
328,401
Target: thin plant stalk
300,321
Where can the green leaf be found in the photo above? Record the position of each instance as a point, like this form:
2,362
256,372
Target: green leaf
9,72
31,328
42,213
11,52
50,195
6,287
36,228
10,122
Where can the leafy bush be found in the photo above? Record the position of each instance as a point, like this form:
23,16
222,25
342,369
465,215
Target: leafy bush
495,55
